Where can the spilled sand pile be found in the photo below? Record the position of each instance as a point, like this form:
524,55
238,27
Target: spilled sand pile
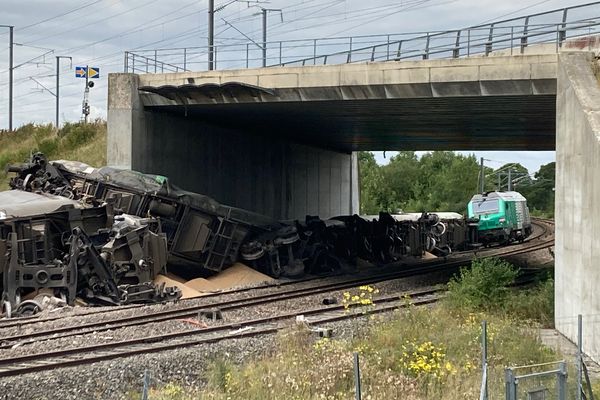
203,285
238,275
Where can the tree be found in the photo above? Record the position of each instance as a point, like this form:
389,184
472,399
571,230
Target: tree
399,176
375,193
446,181
369,176
437,181
540,192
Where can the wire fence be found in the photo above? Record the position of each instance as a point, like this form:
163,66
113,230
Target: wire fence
512,36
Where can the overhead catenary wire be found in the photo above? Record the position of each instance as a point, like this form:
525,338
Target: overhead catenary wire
90,60
515,12
37,23
88,25
135,30
155,19
415,5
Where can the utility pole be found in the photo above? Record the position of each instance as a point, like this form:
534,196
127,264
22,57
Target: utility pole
86,106
509,179
10,78
211,27
481,182
211,34
58,88
264,49
10,75
264,23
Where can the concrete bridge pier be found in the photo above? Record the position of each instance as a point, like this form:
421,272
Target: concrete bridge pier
577,200
260,172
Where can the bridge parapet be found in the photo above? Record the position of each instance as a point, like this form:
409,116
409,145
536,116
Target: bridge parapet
546,32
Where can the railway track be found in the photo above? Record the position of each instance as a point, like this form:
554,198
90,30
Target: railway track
261,299
22,321
76,356
227,305
256,327
106,351
34,319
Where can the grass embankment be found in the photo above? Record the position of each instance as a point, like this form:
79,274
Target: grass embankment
416,353
74,141
596,69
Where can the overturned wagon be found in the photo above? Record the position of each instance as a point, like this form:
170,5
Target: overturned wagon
68,251
104,234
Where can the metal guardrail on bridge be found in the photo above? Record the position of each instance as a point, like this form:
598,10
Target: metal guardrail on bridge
512,36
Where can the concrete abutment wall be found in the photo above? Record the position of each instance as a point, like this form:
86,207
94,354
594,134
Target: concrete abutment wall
264,174
578,200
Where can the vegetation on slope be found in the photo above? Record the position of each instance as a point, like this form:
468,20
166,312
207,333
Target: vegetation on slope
416,353
74,141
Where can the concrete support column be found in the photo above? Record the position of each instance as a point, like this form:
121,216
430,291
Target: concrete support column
354,185
577,206
125,118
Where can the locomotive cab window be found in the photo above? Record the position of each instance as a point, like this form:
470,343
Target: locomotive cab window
485,207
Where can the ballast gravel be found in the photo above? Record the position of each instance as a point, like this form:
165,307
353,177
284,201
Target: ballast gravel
123,378
291,306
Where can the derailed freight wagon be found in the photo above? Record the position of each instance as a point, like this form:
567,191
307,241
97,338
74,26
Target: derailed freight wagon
53,248
103,234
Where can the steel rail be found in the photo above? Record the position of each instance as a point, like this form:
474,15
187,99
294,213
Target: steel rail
101,352
85,355
228,305
89,354
34,319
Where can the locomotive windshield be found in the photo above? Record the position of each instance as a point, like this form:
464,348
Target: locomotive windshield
485,207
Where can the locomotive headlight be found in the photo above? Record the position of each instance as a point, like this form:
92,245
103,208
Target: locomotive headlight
502,220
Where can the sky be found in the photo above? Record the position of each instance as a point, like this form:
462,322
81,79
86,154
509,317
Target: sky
98,32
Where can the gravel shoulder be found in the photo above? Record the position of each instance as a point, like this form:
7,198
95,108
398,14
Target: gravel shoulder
120,378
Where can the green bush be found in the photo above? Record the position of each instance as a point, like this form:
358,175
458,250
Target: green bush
77,134
48,146
536,304
483,287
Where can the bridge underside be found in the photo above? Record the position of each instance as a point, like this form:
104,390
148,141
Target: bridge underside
519,122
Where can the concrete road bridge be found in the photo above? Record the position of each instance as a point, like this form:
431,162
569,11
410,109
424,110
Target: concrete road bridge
281,140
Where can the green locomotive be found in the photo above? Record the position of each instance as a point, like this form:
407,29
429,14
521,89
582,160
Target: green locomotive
503,216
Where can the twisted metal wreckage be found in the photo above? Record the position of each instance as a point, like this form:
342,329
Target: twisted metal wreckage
71,231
